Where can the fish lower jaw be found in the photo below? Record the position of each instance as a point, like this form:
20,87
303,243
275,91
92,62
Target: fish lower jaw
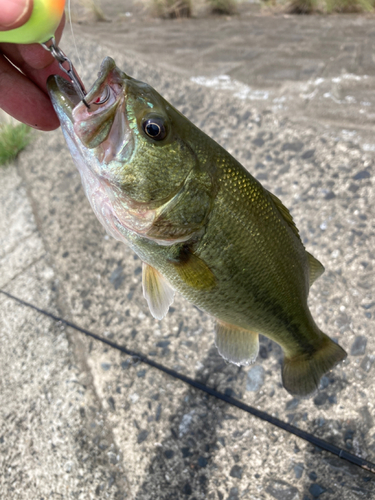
135,226
169,242
119,216
119,226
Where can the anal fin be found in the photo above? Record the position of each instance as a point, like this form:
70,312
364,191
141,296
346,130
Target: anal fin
235,344
157,291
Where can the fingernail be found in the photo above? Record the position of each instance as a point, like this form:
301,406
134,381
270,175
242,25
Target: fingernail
14,13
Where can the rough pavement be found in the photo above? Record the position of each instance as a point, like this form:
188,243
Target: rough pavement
79,420
310,68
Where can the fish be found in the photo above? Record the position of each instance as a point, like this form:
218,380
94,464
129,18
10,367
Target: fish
202,225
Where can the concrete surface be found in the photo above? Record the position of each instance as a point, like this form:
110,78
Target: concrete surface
309,68
79,420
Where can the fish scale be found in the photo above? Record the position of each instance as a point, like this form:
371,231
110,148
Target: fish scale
202,225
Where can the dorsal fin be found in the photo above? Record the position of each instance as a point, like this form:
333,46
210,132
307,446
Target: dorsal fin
284,212
157,291
315,267
235,344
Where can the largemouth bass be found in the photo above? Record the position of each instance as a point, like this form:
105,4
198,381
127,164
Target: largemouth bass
201,224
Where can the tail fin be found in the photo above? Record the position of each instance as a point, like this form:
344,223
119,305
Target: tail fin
301,374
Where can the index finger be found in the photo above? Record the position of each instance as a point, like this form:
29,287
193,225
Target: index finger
24,100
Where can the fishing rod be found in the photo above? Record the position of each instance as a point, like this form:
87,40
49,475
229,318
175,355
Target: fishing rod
310,438
40,28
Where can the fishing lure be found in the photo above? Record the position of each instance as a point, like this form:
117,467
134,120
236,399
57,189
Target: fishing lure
40,28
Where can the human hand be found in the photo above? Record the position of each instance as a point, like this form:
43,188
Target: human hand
23,91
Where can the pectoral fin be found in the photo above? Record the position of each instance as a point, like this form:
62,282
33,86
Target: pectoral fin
235,344
193,270
157,291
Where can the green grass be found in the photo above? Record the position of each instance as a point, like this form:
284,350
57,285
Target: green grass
172,9
223,7
349,6
13,138
322,6
302,6
93,7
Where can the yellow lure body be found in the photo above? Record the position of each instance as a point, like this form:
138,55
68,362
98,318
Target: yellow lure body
41,26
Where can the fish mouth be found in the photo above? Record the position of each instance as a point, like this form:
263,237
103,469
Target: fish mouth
65,98
100,122
96,135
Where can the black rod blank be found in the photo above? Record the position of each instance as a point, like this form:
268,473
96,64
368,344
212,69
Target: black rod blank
310,438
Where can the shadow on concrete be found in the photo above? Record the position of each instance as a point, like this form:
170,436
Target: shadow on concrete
182,466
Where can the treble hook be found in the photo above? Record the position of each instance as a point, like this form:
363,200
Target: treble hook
61,59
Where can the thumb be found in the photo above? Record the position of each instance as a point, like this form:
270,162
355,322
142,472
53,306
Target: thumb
14,13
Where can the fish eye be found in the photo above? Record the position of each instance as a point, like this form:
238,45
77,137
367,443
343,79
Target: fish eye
155,128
